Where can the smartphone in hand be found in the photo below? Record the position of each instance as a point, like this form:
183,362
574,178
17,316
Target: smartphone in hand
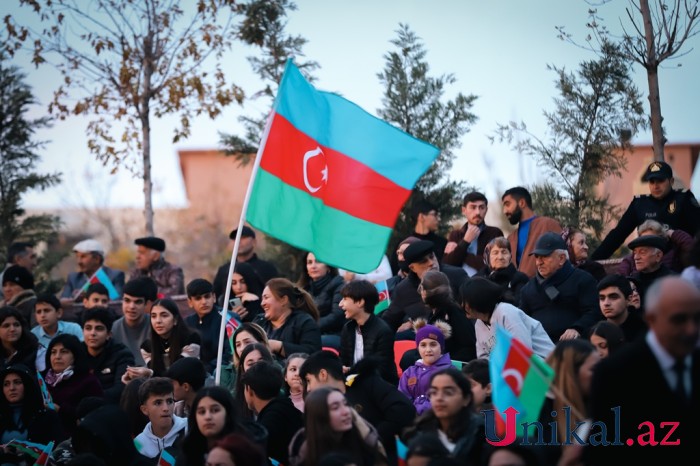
235,302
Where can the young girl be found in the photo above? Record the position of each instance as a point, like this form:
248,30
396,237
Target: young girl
294,386
415,380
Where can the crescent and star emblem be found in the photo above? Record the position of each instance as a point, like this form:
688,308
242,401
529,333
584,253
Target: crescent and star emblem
517,377
324,173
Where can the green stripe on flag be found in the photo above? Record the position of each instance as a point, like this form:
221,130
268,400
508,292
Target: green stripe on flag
297,218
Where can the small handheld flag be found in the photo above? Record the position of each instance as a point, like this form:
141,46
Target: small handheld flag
384,300
166,459
43,459
401,452
101,277
232,323
34,450
519,379
48,400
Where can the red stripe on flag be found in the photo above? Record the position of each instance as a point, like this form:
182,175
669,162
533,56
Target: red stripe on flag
516,366
374,198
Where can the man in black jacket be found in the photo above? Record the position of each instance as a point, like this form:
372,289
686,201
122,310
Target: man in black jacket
563,298
377,401
276,412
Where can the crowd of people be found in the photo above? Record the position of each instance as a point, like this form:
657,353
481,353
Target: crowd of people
315,374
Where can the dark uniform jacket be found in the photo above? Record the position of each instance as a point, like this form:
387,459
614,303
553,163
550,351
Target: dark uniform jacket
678,210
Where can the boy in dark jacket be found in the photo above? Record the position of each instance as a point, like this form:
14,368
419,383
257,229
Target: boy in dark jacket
365,334
262,389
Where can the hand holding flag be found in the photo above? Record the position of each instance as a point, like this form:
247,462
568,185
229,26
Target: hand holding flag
48,400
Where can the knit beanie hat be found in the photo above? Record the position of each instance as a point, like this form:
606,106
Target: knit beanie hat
437,332
19,275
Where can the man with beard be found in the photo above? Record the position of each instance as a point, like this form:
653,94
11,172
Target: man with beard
465,247
517,207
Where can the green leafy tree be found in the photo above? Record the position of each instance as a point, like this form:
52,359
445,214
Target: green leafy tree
264,26
652,35
126,62
596,112
415,102
18,159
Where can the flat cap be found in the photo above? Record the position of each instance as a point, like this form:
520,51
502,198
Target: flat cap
653,241
247,232
151,242
548,243
658,171
418,250
90,245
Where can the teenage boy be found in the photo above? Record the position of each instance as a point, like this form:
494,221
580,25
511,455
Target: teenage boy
274,411
188,376
376,400
107,359
48,313
134,327
200,297
365,334
614,292
164,430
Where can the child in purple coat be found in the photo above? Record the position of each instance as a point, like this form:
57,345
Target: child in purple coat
415,381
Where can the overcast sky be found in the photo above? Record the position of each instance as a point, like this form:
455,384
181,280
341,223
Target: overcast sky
498,50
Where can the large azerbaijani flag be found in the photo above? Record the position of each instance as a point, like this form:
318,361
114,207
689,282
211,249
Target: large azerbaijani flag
332,177
519,379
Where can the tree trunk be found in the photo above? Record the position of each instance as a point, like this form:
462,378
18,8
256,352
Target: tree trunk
145,115
147,182
652,67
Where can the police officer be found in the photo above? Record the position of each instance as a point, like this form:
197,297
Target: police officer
675,208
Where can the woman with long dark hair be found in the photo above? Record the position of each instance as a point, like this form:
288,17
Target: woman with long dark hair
212,417
486,303
22,412
247,286
170,340
290,319
324,284
331,426
250,355
18,345
452,417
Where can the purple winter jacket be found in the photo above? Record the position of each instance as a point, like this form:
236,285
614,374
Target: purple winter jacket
415,381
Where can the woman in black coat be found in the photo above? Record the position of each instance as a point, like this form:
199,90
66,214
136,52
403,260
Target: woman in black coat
22,412
247,286
324,284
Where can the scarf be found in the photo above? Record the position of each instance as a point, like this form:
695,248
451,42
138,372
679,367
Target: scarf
54,379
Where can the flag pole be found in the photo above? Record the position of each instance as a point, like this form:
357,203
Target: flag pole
236,243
